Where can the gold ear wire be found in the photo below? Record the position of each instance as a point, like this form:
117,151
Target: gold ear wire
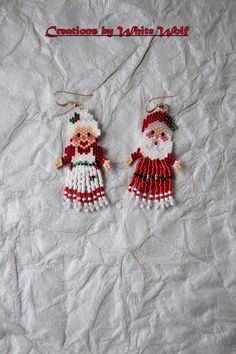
160,105
74,103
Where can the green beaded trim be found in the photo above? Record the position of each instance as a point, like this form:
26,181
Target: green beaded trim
73,119
81,163
170,123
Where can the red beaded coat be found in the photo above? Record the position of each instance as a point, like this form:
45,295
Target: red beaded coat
71,150
152,177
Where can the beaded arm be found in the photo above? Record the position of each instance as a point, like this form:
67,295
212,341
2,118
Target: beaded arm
170,159
69,153
98,152
136,155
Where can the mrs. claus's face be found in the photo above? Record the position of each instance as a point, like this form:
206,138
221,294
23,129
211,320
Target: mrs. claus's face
156,141
83,137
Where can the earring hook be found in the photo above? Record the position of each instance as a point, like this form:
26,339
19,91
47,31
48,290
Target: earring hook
160,105
74,103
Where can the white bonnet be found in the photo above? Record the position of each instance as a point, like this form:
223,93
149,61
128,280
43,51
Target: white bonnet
82,119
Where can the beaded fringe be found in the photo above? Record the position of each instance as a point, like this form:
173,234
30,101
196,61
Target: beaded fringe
157,201
86,205
84,189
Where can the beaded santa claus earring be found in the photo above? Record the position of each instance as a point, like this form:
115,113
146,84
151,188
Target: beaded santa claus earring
152,182
84,189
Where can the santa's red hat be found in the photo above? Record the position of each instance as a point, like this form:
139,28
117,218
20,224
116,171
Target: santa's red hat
159,116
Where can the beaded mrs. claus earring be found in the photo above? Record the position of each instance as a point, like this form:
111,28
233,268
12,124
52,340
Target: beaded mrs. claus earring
84,189
152,182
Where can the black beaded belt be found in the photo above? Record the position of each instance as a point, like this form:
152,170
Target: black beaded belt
159,178
81,163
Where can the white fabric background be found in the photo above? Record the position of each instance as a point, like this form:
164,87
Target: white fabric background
122,280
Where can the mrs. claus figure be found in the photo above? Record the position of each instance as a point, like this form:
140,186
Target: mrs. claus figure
84,187
152,182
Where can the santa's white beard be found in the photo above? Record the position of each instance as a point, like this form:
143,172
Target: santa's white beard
154,152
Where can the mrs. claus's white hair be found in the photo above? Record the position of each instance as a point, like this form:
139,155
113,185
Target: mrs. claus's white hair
85,121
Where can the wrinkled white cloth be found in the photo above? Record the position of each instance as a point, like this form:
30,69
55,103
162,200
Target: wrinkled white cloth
123,279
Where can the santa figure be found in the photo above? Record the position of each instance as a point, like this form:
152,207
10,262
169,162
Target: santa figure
152,182
84,187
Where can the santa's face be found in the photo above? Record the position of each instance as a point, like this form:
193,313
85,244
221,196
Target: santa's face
156,141
83,137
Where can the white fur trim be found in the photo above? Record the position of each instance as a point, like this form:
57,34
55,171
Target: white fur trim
162,149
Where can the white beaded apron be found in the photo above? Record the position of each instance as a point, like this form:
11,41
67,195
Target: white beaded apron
84,184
